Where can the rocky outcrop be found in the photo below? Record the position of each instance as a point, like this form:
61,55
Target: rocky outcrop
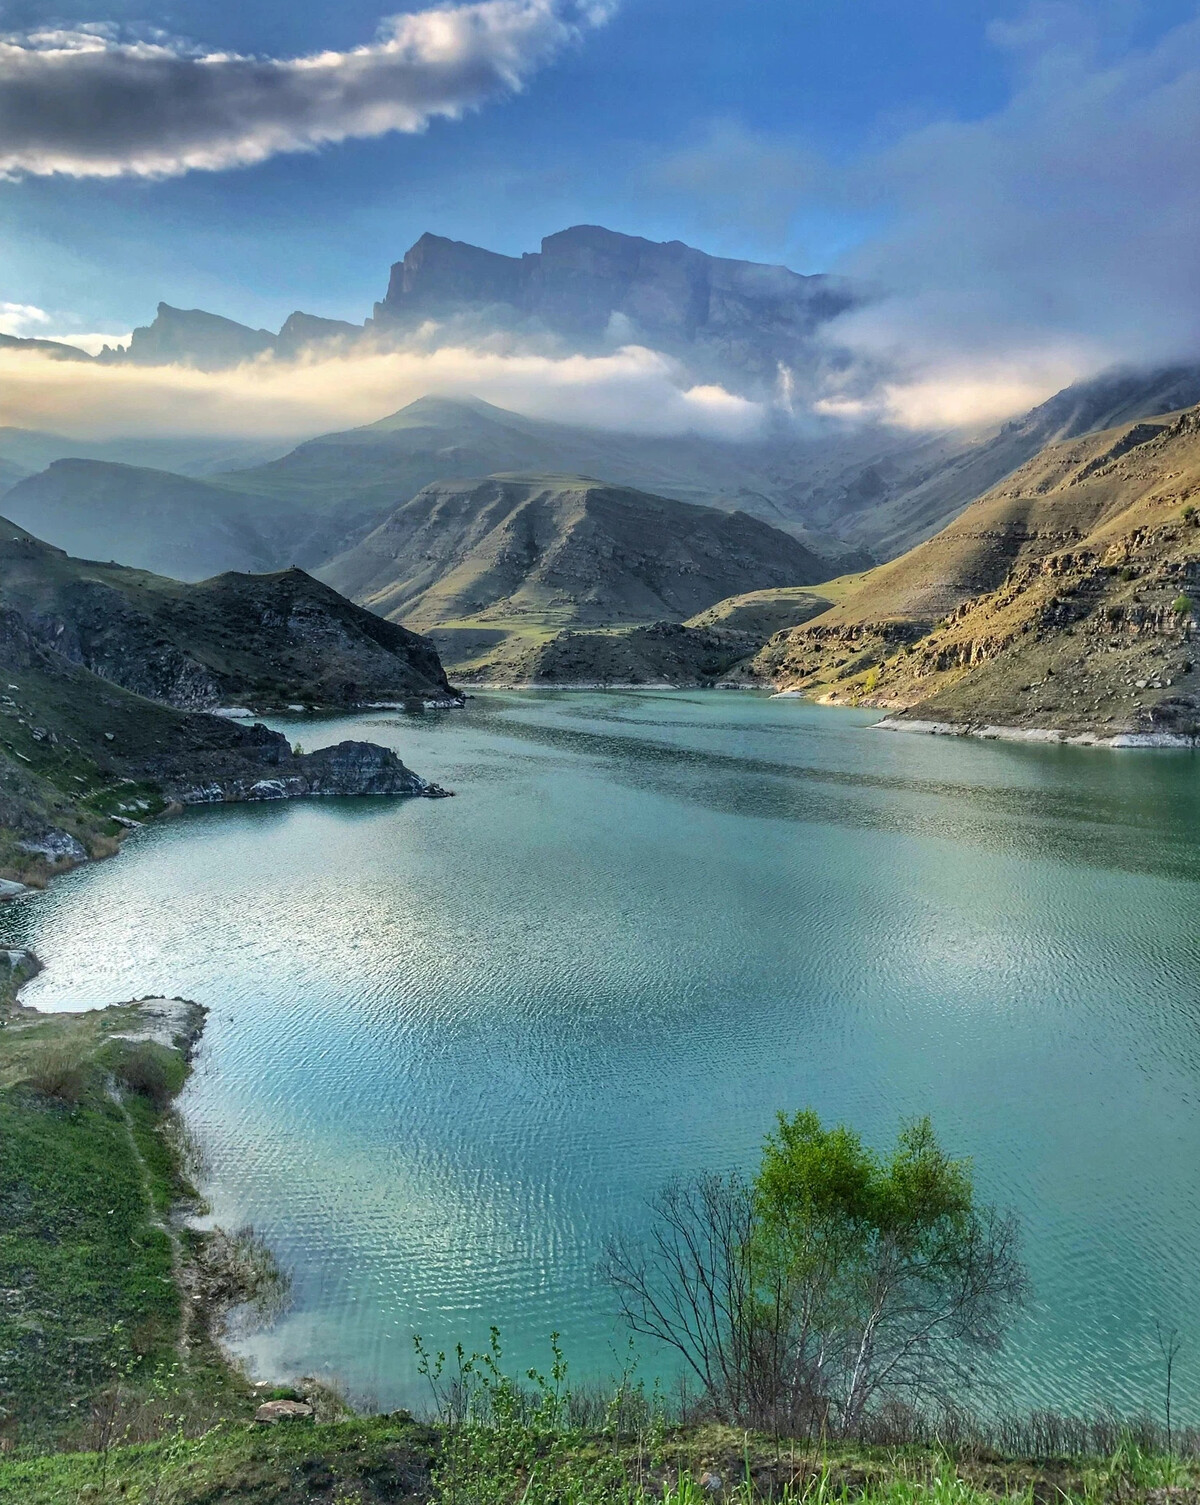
264,767
257,640
84,761
1064,603
209,342
192,337
588,284
664,653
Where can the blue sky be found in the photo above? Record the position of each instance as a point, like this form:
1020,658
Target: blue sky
1016,182
674,119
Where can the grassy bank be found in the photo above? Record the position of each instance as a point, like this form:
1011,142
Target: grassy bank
368,1461
112,1387
102,1290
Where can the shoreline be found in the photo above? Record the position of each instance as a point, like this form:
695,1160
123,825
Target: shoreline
644,684
1043,736
1051,736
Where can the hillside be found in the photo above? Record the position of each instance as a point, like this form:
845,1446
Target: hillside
853,494
152,519
30,450
1064,599
900,500
359,475
520,554
82,760
256,640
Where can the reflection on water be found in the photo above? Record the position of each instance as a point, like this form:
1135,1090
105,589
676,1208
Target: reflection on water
453,1044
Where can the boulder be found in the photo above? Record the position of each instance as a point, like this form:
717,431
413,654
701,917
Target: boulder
273,1411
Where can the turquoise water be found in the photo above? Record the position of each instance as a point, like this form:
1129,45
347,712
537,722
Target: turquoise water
454,1044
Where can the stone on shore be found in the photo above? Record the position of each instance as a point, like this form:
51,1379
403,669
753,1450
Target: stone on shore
273,1411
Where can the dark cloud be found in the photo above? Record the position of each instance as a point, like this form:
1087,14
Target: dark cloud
85,102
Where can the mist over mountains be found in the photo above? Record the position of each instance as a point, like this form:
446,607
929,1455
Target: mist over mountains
588,289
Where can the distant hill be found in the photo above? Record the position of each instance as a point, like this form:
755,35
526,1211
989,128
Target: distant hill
55,349
555,551
855,494
31,450
10,474
210,342
257,640
362,473
173,524
1065,598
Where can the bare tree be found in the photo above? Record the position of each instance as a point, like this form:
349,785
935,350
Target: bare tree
831,1286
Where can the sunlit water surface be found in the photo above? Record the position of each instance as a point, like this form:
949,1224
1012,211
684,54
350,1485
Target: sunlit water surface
454,1045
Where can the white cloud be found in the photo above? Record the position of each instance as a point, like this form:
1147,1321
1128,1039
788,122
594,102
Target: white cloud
1043,242
633,390
86,103
23,320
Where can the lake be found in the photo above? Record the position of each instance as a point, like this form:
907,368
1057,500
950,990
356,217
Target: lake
454,1044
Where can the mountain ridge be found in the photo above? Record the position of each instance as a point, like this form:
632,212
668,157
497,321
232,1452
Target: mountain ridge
1063,601
528,552
258,640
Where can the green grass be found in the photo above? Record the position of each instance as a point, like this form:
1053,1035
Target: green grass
363,1461
89,1299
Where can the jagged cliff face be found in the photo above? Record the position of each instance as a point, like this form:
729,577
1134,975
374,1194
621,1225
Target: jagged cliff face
588,284
1067,598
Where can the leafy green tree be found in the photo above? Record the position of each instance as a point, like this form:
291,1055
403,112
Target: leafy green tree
837,1281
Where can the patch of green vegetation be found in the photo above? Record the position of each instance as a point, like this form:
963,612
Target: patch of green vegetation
535,1453
90,1300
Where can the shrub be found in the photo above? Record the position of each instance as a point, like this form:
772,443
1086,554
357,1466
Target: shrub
1182,606
150,1070
59,1070
1190,515
833,1285
237,1272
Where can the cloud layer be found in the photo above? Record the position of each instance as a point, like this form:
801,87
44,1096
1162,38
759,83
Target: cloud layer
633,390
87,103
1041,243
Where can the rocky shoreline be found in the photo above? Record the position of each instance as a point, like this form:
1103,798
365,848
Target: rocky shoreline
1038,734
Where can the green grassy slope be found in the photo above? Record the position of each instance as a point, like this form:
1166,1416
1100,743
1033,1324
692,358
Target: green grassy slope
494,568
89,1262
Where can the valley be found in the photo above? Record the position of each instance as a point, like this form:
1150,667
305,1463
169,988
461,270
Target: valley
599,728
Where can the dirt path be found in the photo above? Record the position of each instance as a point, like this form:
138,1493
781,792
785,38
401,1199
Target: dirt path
178,1261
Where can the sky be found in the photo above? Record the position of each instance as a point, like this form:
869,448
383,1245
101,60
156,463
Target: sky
1017,181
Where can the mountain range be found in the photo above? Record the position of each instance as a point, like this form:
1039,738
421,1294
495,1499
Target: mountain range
586,288
1065,599
855,493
